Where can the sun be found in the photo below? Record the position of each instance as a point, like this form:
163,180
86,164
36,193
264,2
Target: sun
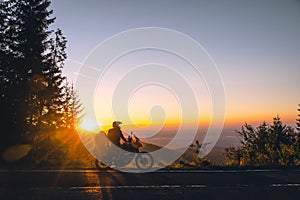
88,124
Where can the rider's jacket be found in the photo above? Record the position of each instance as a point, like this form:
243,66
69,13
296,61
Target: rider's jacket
114,135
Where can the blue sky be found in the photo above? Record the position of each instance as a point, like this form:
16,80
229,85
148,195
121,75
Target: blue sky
255,44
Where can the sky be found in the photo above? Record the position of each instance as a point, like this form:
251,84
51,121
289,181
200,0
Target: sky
255,45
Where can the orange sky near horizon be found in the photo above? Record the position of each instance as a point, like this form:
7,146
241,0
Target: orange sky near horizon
234,122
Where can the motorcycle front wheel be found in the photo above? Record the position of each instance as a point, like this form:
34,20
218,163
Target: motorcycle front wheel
144,160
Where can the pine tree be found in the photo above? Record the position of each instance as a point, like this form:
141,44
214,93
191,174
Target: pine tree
73,109
4,72
24,42
32,58
298,120
297,135
54,93
77,109
33,21
42,59
35,98
8,77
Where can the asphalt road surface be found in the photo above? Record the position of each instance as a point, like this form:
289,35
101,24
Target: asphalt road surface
177,184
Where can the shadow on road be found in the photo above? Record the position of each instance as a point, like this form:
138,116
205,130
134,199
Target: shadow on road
174,185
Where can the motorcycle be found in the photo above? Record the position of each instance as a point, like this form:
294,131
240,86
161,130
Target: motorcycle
143,160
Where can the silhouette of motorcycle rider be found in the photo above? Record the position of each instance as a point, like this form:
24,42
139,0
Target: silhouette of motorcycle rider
116,136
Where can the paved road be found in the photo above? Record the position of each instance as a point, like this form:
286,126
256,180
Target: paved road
94,184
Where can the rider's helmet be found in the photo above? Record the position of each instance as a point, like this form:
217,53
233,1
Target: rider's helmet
116,124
